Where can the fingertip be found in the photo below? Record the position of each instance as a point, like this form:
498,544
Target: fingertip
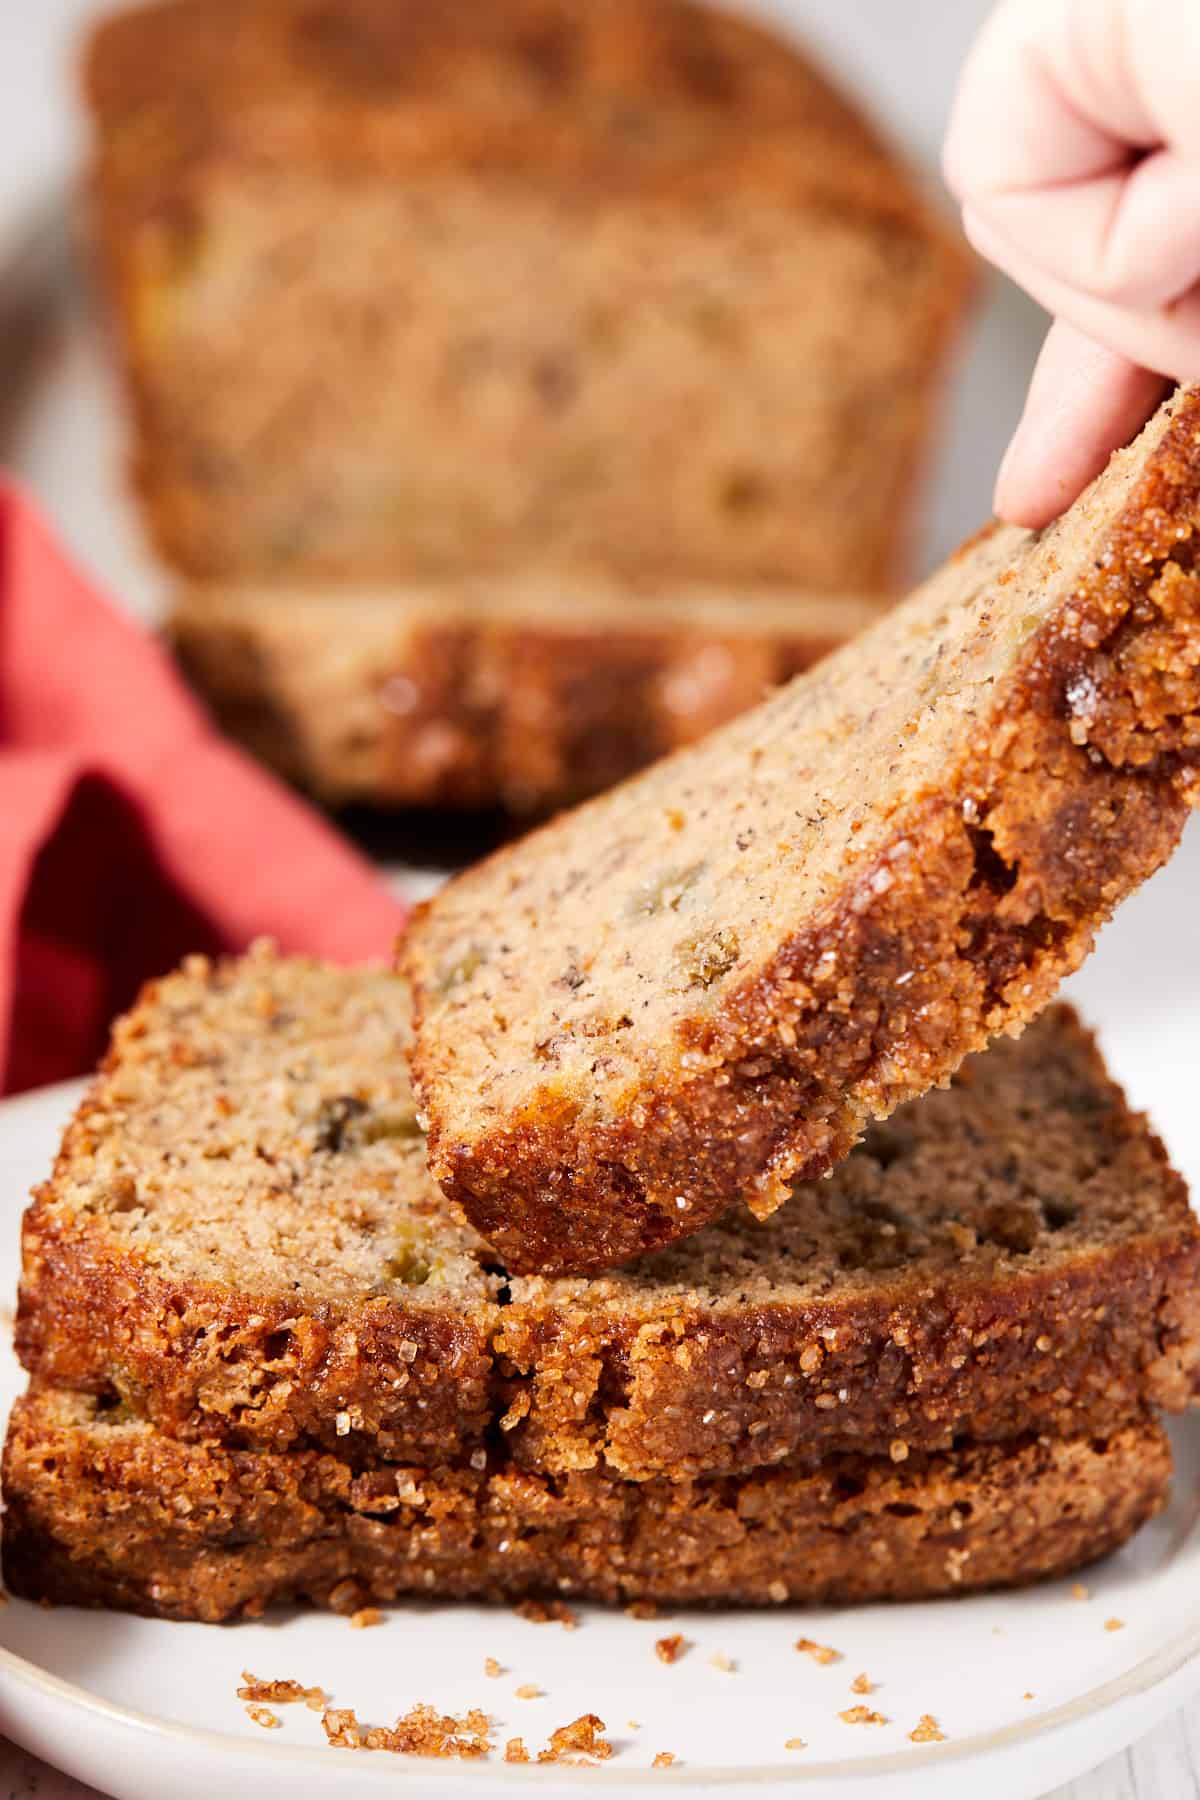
1084,402
1014,505
1024,494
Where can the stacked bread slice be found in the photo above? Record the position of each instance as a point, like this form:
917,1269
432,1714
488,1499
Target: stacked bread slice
269,1362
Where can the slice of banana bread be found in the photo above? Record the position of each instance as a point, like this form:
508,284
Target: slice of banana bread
704,983
241,1241
1012,1253
104,1511
525,692
426,287
240,1234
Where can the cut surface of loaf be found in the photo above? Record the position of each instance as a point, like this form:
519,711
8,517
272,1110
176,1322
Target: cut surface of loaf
527,692
240,1240
628,280
239,1231
703,984
104,1511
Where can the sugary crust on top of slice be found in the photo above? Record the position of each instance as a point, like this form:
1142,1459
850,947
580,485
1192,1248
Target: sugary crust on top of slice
705,983
241,1241
627,97
99,1513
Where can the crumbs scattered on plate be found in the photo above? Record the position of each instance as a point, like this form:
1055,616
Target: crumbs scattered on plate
925,1731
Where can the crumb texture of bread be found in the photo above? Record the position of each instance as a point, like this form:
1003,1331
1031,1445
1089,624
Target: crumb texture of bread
106,1512
239,1233
705,983
752,301
527,692
241,1241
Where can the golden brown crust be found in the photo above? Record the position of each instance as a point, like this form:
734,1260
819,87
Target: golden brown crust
116,1515
630,93
428,698
1011,1314
200,1358
1012,1254
701,1394
1052,798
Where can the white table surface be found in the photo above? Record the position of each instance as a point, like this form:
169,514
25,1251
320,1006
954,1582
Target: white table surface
903,55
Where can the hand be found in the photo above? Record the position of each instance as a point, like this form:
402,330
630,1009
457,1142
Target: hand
1074,147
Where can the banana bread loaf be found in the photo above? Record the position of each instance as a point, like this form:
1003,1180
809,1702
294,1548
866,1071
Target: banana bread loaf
101,1510
703,984
415,288
240,1240
526,692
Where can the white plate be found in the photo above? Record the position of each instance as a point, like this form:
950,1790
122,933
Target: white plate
141,1708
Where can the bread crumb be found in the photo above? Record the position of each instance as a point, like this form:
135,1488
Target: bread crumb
282,1693
719,1660
861,1715
1027,1696
491,1667
419,1732
365,1617
346,1597
862,1684
670,1649
528,1690
642,1609
820,1653
582,1738
925,1731
515,1751
262,1715
633,1724
663,1760
1078,1591
548,1612
898,1450
795,1744
1114,1624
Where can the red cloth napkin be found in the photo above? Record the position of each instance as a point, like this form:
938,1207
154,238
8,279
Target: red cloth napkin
130,833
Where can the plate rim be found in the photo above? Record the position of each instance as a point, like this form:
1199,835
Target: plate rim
1152,1672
